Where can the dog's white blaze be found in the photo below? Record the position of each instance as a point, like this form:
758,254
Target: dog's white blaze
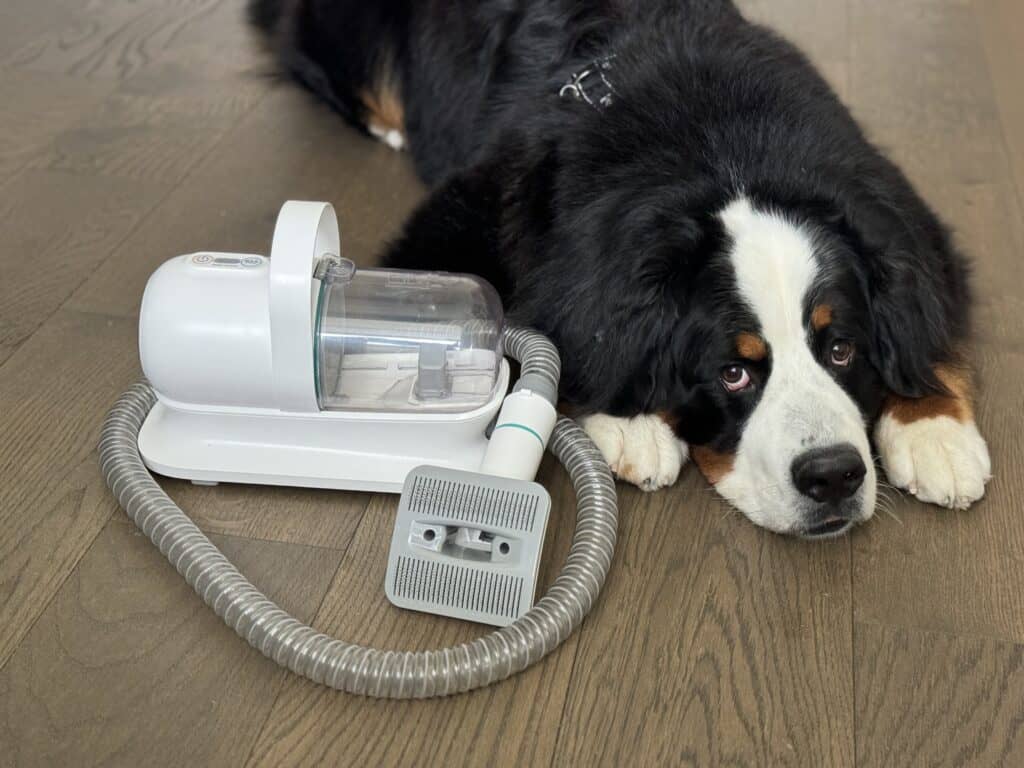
775,267
802,406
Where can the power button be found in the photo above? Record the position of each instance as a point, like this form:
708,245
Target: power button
202,258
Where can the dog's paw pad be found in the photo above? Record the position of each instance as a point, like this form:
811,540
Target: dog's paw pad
642,450
939,460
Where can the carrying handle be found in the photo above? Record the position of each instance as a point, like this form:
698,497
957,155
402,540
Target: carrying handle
305,233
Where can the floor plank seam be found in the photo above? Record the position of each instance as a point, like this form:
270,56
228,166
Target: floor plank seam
568,690
853,650
954,635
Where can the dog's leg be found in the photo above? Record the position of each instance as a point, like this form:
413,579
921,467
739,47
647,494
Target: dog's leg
642,450
931,446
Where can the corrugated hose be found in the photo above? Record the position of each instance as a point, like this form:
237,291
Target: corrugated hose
354,668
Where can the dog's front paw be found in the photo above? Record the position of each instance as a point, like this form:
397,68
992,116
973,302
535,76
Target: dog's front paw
939,460
642,450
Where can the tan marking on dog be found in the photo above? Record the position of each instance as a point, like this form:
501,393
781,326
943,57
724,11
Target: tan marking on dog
751,347
956,404
821,317
384,110
669,418
713,464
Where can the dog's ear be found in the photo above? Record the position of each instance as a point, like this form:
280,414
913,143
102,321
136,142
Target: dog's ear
916,284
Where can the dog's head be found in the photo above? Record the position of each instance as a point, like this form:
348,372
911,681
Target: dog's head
722,246
789,380
766,331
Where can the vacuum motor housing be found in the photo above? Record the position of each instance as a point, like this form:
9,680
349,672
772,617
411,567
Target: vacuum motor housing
242,331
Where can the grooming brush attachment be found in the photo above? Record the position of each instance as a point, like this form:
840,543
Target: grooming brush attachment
467,545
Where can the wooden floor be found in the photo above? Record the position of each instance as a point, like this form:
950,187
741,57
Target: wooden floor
134,130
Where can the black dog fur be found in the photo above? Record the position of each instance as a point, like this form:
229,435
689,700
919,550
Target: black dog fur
599,226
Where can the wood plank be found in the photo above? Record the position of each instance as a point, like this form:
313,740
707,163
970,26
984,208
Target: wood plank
157,137
58,228
294,515
716,643
113,39
931,699
54,393
309,155
1001,23
989,228
163,119
956,571
23,21
35,108
919,82
950,571
938,570
128,666
513,722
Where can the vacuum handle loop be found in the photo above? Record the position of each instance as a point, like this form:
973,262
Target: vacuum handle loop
304,234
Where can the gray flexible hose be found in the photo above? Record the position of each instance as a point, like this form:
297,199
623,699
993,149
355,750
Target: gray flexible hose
354,668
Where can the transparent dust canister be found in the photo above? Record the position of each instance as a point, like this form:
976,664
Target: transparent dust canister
396,340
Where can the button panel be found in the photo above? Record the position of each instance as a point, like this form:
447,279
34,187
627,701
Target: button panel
225,261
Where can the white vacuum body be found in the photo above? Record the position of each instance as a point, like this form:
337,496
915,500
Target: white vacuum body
303,370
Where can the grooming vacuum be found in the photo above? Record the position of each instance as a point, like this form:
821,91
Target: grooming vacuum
304,370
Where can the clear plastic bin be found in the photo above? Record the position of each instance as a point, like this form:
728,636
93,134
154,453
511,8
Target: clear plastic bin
389,340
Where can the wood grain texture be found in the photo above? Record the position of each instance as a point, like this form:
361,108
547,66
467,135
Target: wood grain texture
1001,23
57,229
113,39
929,699
314,518
34,108
53,395
957,571
148,138
919,82
988,227
514,723
739,644
953,572
23,21
305,154
127,666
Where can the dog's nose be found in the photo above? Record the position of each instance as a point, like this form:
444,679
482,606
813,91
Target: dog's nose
829,474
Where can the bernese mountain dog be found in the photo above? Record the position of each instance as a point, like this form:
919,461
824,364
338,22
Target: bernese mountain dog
675,196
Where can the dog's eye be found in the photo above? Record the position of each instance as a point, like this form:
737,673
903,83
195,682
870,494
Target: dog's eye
841,353
735,378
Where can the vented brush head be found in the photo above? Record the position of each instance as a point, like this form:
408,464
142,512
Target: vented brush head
467,545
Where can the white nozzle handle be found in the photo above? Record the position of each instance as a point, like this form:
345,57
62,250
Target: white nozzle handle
520,436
